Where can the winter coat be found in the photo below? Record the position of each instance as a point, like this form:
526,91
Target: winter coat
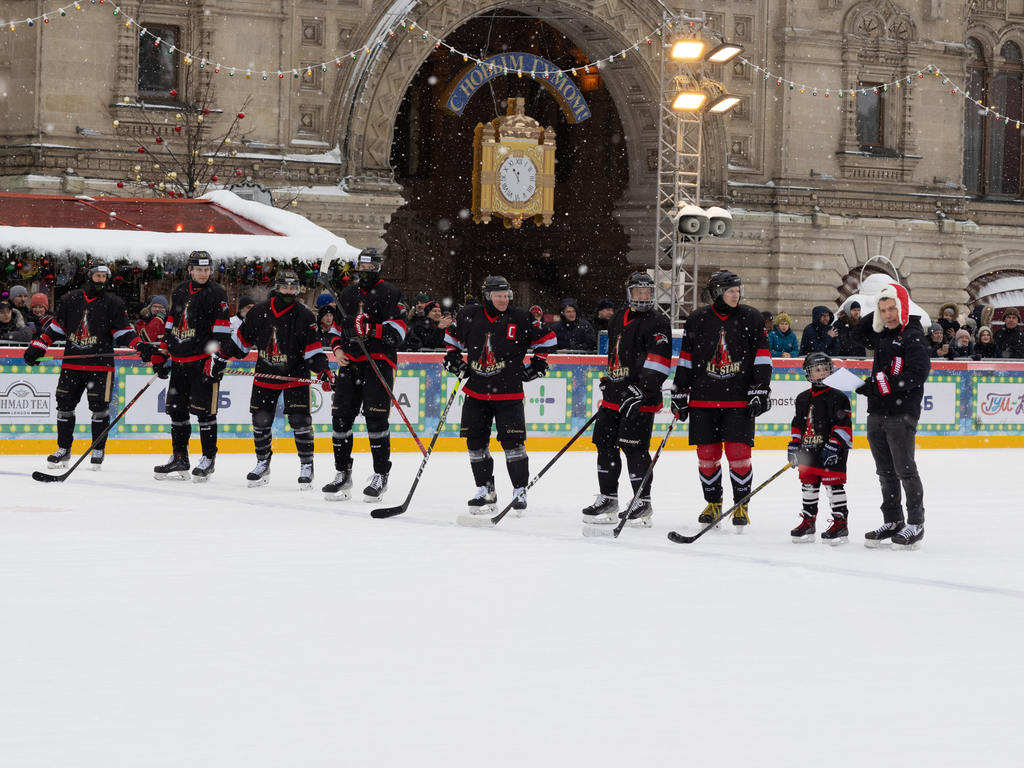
949,327
902,356
578,334
847,348
987,350
956,352
429,334
779,342
1011,343
15,328
815,337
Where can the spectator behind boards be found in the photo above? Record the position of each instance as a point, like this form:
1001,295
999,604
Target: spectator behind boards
820,336
574,331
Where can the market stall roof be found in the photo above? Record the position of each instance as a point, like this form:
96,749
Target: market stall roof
154,231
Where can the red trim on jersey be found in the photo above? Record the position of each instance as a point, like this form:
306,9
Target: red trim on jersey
71,367
718,403
471,393
684,355
313,347
487,315
279,385
276,313
85,295
626,319
659,359
723,318
374,355
816,392
643,408
192,359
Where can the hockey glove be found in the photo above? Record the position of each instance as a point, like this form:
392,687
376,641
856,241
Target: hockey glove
160,365
537,368
681,405
454,364
830,453
792,451
603,384
213,370
147,351
632,399
34,354
326,379
867,389
758,400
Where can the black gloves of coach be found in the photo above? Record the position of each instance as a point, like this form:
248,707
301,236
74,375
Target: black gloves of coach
681,405
33,355
214,368
758,400
454,364
537,368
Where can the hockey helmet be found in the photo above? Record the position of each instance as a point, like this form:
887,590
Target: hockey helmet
98,266
640,280
200,259
494,283
817,367
286,277
369,260
722,281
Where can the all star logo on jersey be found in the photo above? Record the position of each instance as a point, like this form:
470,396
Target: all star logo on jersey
810,436
616,370
82,336
721,365
272,354
181,329
486,364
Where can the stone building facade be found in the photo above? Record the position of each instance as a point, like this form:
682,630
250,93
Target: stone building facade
815,191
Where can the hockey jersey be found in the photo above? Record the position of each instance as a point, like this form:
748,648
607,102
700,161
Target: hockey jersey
90,325
198,322
286,341
495,346
821,415
722,357
383,305
639,351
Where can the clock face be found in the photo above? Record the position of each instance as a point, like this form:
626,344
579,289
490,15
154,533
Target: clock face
518,177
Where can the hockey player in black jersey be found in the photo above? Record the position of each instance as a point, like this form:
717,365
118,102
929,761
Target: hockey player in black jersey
495,337
372,311
822,437
723,383
639,361
198,324
284,334
91,320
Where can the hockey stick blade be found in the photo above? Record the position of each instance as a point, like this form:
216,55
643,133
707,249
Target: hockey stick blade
42,477
592,531
385,512
471,521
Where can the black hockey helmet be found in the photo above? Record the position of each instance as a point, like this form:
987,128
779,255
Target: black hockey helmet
370,260
640,280
286,277
98,266
200,259
722,281
495,283
816,360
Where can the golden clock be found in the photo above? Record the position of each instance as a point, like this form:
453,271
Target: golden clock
514,169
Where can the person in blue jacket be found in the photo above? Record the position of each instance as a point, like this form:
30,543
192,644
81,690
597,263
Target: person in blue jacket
781,340
820,336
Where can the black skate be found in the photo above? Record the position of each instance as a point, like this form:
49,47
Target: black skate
484,500
639,514
260,474
58,459
908,539
376,487
604,510
176,468
305,476
519,503
203,469
882,535
96,460
740,519
805,531
712,512
340,488
837,533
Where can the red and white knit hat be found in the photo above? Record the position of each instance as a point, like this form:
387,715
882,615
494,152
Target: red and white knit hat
899,294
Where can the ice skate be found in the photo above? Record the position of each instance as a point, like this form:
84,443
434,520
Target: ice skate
260,474
604,511
340,488
484,500
204,469
639,514
908,539
519,503
882,535
837,532
804,532
58,459
376,487
740,519
305,476
176,468
96,460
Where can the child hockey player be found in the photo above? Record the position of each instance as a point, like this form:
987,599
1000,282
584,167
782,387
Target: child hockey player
822,438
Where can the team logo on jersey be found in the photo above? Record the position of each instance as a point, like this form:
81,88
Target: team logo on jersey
660,338
83,337
272,354
487,364
181,329
721,365
811,437
616,370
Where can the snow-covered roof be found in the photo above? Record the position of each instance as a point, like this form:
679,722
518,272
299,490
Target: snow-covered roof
1003,292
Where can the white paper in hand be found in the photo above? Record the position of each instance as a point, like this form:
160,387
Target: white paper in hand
844,379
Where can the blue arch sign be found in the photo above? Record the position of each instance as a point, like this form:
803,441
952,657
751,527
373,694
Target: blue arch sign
565,91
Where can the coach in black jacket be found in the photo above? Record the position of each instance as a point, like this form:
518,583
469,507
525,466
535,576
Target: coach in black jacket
895,390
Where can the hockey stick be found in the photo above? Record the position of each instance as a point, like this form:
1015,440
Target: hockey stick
42,477
117,356
371,361
678,538
597,531
487,522
385,512
275,377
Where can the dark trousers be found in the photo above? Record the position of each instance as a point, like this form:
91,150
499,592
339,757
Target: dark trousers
891,436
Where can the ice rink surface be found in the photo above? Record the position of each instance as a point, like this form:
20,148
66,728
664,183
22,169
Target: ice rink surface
170,624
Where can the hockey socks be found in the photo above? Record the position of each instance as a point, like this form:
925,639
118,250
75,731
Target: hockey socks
65,429
482,464
262,437
181,431
380,446
709,465
342,442
609,467
208,435
638,464
100,423
741,474
518,464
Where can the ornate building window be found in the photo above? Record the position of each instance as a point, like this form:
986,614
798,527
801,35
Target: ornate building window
974,133
870,115
992,146
158,63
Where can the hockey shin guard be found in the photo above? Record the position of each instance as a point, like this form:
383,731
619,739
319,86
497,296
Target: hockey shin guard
518,464
741,474
837,499
709,465
609,467
480,460
208,435
262,434
302,428
100,422
379,432
65,429
181,431
639,462
810,493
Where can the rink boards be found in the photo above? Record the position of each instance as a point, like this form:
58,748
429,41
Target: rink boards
965,404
